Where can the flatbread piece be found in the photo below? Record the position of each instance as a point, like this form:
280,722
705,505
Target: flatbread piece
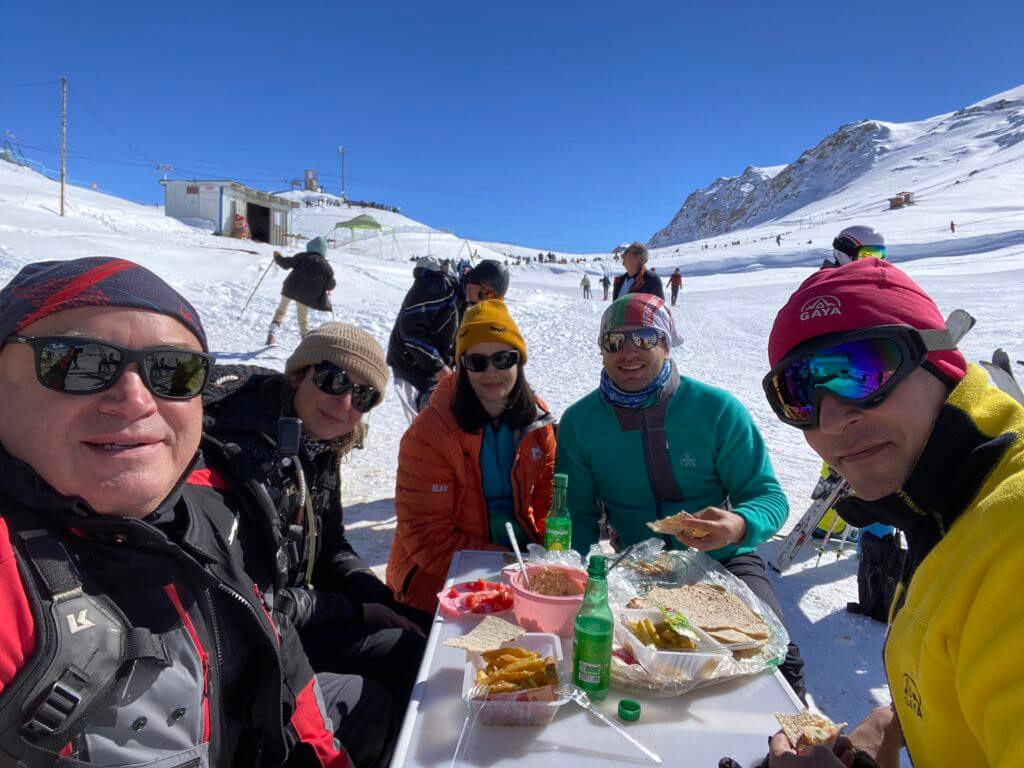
711,608
809,729
489,634
676,524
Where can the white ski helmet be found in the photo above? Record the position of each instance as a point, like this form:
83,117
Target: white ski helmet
857,242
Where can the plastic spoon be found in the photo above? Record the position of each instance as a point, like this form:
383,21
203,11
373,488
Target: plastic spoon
519,555
578,695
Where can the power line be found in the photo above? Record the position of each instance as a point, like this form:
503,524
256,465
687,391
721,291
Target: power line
104,123
29,85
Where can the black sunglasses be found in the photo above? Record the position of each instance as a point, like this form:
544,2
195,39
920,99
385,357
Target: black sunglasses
77,366
502,361
332,380
642,338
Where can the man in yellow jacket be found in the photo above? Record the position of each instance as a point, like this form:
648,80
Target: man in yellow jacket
861,361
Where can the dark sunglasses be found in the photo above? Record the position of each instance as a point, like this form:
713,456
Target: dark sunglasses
860,368
331,380
642,338
502,361
77,366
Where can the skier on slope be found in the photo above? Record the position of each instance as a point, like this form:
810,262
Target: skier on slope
309,286
422,345
636,278
854,243
675,282
585,285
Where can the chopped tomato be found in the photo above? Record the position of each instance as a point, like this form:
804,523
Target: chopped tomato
452,593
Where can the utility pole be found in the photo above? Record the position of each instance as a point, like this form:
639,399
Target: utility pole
164,168
341,157
63,139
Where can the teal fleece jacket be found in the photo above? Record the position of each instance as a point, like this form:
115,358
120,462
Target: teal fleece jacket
717,453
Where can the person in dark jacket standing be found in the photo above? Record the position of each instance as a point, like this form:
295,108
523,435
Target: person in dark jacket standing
636,278
309,285
422,345
675,282
347,618
132,632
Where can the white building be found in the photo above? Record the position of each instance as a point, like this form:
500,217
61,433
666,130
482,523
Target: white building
217,201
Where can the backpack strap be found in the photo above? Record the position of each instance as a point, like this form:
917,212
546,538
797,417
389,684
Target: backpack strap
82,643
650,422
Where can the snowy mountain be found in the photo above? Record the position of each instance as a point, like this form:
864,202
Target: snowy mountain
860,166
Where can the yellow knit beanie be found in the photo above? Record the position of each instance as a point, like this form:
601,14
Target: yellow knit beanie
488,321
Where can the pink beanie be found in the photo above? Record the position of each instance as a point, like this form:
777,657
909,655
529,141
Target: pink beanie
862,294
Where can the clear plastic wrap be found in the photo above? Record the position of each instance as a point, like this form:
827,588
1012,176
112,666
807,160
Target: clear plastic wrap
648,565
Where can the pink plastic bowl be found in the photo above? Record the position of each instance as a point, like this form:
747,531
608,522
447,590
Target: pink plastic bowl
546,613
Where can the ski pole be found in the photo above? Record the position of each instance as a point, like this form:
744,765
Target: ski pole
828,535
258,283
842,541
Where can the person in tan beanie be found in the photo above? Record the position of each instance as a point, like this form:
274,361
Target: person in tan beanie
348,620
479,455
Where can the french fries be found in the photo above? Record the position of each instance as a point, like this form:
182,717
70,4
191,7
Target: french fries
661,635
515,669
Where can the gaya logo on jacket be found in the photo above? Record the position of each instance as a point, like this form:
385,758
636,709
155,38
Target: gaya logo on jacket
820,306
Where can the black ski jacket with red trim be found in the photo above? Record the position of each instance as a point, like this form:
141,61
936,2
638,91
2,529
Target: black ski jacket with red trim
210,679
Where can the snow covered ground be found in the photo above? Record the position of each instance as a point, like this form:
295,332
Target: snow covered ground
724,315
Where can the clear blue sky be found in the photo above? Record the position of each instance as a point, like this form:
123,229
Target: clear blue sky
561,125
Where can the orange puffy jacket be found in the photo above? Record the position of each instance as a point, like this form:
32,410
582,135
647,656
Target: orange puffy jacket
439,496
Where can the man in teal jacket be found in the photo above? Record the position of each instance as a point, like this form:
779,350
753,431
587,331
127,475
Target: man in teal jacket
648,443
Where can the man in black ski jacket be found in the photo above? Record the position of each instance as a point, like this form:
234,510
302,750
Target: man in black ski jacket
309,285
422,345
636,278
135,623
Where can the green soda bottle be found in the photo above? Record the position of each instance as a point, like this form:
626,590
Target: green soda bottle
592,640
558,528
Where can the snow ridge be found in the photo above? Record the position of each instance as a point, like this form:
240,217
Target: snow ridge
857,155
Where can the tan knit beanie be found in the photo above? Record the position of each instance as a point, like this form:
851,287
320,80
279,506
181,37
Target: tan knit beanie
347,346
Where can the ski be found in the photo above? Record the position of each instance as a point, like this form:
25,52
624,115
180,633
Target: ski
1001,373
958,323
827,493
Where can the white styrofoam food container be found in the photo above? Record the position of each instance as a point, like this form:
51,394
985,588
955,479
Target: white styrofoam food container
696,665
517,713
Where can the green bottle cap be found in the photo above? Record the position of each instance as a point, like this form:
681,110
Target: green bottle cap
629,710
597,566
561,481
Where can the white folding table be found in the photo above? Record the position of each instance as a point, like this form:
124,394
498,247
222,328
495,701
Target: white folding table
732,719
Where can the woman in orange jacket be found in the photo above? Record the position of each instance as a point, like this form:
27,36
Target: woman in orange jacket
481,454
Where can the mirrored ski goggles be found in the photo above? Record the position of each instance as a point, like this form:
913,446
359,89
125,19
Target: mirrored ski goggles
332,380
502,361
641,338
77,366
855,252
860,368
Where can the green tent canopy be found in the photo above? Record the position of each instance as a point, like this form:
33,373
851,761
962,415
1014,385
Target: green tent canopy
362,221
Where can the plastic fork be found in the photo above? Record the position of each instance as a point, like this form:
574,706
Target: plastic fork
578,695
476,703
